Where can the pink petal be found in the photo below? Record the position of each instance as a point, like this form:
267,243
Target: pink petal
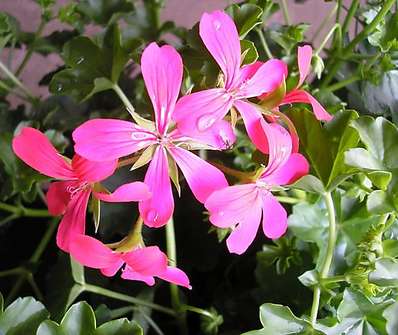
136,191
252,118
219,34
158,210
148,261
162,71
199,111
279,145
219,136
74,221
129,274
202,177
274,217
108,139
295,167
90,252
267,78
248,71
245,232
111,270
175,276
231,205
35,149
305,97
58,196
93,171
304,56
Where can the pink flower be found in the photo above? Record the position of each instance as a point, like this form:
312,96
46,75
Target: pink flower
298,95
70,196
141,264
242,206
197,112
105,139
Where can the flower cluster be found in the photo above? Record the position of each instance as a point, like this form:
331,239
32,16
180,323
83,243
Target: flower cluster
181,125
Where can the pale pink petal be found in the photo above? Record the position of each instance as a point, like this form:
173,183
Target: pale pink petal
279,145
248,71
245,232
304,56
74,221
295,167
129,274
231,205
175,276
58,196
136,191
162,69
219,34
304,97
92,253
92,171
252,118
274,217
36,150
158,210
148,261
108,139
199,111
266,79
202,177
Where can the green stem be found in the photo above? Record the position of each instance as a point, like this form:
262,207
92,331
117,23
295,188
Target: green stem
122,297
325,22
9,89
11,272
325,267
341,84
137,118
351,12
17,82
334,279
326,38
198,310
52,227
351,46
264,43
285,12
29,53
9,218
22,211
174,291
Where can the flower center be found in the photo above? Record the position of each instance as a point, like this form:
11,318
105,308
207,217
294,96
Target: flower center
73,190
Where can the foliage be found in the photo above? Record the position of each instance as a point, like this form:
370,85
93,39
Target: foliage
336,269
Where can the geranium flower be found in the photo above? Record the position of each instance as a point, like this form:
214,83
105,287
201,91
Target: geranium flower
141,264
70,196
105,139
199,111
241,207
304,56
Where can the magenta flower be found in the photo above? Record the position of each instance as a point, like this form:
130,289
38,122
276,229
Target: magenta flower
304,56
105,139
241,207
70,196
141,264
197,112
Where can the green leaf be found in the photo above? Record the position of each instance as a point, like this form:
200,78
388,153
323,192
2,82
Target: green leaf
102,11
325,145
49,327
22,317
380,202
79,320
278,319
309,183
358,315
1,303
210,324
390,314
309,278
385,273
119,327
246,17
92,67
77,271
390,248
249,52
289,36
